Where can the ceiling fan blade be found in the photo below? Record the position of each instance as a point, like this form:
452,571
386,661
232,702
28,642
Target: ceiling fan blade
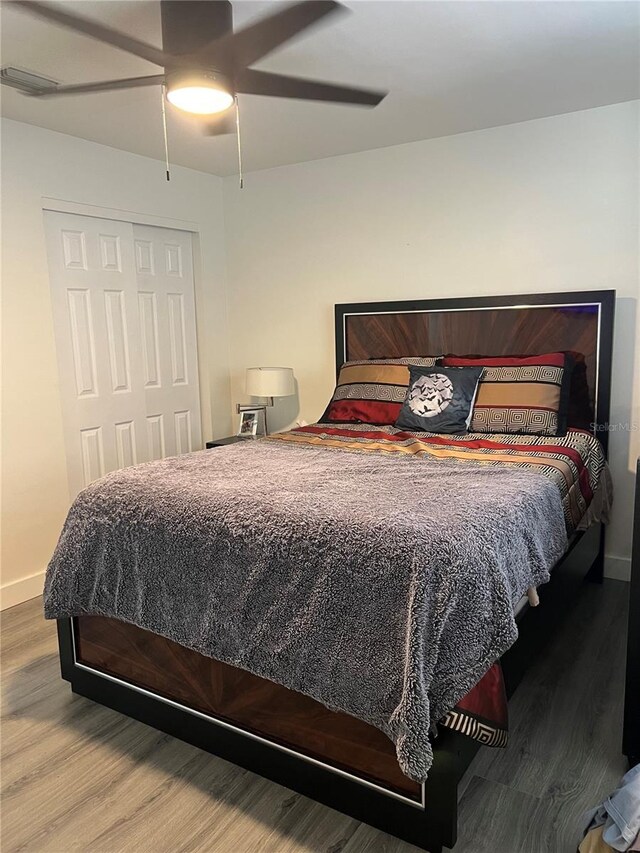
253,82
102,86
94,29
240,49
187,25
217,126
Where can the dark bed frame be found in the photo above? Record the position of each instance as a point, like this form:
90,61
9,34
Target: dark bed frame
289,738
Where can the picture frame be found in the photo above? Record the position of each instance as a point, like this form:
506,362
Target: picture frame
248,424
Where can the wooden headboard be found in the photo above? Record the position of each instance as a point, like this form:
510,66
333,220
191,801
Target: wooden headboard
527,324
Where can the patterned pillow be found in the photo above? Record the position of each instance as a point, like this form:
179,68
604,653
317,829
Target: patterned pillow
439,399
371,392
523,394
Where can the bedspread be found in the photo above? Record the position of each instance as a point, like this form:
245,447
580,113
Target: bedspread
574,462
381,584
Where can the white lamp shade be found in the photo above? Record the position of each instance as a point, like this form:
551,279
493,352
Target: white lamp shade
270,382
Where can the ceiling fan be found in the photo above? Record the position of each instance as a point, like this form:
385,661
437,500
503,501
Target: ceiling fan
205,63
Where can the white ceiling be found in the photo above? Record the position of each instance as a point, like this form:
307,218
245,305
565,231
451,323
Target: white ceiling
449,66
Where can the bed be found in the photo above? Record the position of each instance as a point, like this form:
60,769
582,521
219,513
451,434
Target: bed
268,686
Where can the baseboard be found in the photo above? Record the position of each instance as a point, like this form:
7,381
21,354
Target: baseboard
21,590
618,568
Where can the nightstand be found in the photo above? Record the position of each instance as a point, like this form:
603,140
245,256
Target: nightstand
231,439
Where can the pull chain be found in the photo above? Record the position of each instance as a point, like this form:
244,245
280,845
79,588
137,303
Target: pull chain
163,90
239,144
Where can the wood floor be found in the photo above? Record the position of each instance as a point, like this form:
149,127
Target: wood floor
79,777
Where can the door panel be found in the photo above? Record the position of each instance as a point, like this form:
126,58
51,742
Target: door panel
164,270
124,316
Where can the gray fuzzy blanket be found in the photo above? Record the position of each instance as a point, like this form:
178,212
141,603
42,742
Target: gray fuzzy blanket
383,587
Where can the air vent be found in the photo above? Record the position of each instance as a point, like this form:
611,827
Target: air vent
25,81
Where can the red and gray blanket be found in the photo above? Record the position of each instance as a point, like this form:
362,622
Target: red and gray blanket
374,571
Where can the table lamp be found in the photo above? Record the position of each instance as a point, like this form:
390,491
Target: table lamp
270,382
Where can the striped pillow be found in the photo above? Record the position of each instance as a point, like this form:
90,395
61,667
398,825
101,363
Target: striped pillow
371,392
523,394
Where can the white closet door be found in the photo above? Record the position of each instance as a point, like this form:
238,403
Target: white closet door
164,273
102,310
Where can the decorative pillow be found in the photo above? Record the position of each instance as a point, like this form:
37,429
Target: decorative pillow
440,399
523,394
371,392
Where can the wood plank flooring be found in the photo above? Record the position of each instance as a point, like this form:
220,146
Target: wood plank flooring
79,777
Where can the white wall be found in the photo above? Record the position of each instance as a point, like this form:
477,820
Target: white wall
37,163
544,205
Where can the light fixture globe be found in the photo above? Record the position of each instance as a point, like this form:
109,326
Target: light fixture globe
200,92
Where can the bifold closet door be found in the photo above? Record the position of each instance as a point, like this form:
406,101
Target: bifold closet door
166,308
124,320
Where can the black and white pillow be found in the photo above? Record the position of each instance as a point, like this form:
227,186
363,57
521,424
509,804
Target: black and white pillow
439,399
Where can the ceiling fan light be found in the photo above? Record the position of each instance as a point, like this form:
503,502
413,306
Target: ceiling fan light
202,94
